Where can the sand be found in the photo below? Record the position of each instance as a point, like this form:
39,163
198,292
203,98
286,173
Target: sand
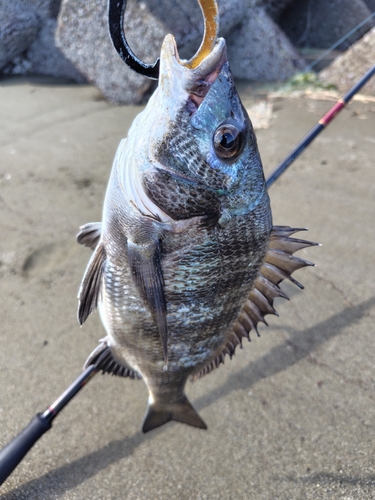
290,417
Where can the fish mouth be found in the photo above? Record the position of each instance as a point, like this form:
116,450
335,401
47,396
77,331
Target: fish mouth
195,81
206,66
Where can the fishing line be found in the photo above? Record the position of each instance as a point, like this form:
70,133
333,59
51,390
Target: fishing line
315,131
328,51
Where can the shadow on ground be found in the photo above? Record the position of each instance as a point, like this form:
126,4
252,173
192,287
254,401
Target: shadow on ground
278,359
323,478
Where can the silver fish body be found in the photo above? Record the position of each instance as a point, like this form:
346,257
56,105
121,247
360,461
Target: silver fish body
186,228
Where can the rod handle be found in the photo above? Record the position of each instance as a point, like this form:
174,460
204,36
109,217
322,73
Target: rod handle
12,454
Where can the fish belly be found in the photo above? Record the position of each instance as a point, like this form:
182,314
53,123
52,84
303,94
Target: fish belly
208,274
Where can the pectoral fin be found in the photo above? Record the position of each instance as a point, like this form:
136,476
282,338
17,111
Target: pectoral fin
145,265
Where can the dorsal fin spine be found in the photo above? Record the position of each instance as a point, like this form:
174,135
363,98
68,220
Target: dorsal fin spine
279,264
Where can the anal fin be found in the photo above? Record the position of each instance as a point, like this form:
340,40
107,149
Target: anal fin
105,360
182,412
145,265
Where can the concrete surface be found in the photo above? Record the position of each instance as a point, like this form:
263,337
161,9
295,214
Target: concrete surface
290,417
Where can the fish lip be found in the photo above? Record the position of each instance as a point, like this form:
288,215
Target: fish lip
215,59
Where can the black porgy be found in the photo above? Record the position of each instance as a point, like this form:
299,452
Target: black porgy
186,261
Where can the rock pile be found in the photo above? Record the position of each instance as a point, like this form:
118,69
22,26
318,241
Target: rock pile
69,38
258,49
27,44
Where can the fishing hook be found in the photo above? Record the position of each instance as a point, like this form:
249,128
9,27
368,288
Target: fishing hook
116,14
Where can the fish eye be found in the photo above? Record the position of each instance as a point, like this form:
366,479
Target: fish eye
228,141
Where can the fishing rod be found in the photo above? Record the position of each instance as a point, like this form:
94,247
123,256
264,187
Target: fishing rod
315,131
12,454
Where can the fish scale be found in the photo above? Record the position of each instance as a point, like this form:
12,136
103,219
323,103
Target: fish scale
180,152
180,200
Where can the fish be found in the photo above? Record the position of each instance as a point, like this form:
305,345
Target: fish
186,261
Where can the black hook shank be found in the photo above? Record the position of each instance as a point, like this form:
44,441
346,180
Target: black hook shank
116,14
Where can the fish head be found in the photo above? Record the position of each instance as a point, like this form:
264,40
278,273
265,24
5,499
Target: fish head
196,134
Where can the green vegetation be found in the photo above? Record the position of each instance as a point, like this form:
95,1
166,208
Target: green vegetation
302,81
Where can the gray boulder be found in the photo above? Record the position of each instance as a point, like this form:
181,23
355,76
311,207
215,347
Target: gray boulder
18,29
258,50
184,20
370,4
83,37
321,23
27,42
44,58
276,7
45,9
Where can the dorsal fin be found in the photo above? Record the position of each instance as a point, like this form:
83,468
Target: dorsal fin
90,287
279,263
89,234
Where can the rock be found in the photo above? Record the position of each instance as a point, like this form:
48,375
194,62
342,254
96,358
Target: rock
27,42
45,58
185,21
45,9
83,37
321,23
349,67
275,8
370,4
258,50
18,29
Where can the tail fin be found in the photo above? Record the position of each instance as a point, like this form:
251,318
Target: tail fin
182,411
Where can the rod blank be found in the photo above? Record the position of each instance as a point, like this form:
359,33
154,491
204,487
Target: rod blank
12,454
315,131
